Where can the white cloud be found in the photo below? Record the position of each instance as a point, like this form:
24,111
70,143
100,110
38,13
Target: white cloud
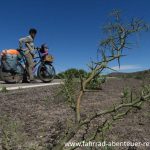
126,67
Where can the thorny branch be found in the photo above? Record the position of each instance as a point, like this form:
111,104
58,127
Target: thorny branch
111,48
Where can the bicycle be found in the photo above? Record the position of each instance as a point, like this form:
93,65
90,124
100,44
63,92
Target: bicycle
43,69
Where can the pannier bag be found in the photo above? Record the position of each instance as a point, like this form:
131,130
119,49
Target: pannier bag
45,56
48,58
9,59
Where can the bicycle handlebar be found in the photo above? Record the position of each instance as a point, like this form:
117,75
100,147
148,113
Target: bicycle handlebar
37,48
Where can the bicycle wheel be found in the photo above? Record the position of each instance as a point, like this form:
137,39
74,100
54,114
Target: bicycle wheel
46,72
13,76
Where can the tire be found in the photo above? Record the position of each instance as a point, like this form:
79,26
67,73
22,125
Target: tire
1,74
13,76
46,72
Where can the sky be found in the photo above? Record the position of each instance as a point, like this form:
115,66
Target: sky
73,29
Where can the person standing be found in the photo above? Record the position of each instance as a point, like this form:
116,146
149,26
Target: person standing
27,45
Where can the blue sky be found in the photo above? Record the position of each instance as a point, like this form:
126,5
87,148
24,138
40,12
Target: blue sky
72,29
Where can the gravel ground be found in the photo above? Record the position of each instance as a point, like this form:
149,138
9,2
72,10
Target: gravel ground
43,113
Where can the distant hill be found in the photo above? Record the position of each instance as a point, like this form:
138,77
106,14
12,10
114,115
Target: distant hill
116,74
137,75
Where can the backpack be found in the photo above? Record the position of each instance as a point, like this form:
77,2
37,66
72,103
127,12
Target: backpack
9,59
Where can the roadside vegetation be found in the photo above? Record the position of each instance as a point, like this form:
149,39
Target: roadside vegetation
111,48
3,89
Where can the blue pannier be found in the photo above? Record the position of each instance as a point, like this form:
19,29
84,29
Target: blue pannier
9,62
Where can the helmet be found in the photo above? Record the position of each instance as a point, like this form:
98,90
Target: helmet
32,30
44,46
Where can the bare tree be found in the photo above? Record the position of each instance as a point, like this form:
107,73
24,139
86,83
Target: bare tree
112,48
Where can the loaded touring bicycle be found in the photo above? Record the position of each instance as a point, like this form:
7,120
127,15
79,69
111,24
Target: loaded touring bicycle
13,66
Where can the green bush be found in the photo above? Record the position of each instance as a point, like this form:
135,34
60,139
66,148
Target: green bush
72,73
3,89
95,83
138,77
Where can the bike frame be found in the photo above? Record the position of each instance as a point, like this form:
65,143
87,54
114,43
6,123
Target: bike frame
23,62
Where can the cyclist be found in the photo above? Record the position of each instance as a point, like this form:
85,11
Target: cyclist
27,45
